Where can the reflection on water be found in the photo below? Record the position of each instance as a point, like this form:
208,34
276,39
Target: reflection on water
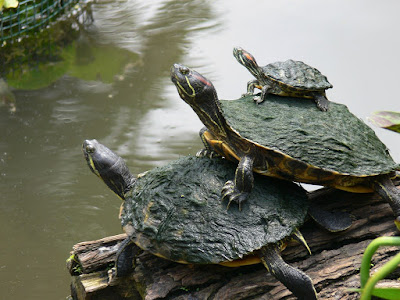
50,200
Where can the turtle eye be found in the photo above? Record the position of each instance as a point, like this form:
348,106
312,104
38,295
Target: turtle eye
184,70
90,149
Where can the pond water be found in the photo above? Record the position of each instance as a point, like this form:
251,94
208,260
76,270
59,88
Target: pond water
50,200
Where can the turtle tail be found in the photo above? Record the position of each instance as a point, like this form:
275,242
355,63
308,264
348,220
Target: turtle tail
296,281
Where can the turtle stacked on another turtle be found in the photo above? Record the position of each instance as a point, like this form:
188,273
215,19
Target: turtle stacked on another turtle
289,78
286,138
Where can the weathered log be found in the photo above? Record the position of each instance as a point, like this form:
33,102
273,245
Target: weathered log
333,266
90,256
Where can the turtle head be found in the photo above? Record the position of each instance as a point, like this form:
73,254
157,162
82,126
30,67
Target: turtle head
200,94
109,167
193,87
247,60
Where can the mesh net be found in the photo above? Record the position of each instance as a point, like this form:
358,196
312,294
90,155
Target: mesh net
31,15
36,34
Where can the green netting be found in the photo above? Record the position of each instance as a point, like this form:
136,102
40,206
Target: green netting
31,15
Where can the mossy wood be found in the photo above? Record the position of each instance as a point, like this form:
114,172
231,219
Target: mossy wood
194,226
335,140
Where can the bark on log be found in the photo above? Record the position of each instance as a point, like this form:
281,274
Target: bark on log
333,266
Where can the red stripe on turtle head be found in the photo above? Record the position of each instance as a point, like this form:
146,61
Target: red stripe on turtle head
248,56
202,79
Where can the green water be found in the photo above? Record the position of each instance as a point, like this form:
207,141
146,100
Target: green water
122,96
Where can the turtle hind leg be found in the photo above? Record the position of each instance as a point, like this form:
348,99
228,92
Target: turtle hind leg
331,221
296,281
385,188
321,101
207,151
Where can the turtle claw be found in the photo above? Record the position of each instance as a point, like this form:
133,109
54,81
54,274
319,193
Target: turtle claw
258,99
232,194
207,153
245,95
322,102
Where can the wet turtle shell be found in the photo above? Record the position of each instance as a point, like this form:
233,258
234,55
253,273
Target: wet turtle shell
335,141
289,138
175,212
296,74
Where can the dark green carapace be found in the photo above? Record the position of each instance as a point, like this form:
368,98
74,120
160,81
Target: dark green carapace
335,140
176,211
288,138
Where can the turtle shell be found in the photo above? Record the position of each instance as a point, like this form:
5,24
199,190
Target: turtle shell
175,212
335,140
297,74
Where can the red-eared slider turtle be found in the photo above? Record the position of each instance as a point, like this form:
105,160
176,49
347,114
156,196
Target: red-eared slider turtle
289,78
175,212
286,139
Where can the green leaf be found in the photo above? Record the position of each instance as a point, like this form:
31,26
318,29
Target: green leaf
386,119
384,293
387,293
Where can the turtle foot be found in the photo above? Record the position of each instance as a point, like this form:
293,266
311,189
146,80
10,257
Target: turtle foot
207,153
232,194
322,103
331,221
258,99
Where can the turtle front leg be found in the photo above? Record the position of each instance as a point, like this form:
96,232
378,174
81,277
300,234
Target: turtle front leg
385,188
299,283
265,90
207,151
239,189
321,101
250,87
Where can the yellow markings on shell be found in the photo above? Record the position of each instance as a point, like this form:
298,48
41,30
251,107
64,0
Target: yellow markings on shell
355,189
180,232
147,211
248,260
160,255
177,261
223,148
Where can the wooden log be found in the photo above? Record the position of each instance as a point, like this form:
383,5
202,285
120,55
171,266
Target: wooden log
333,266
87,257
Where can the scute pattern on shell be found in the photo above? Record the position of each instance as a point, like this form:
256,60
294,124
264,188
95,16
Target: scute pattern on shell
176,211
297,74
335,140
